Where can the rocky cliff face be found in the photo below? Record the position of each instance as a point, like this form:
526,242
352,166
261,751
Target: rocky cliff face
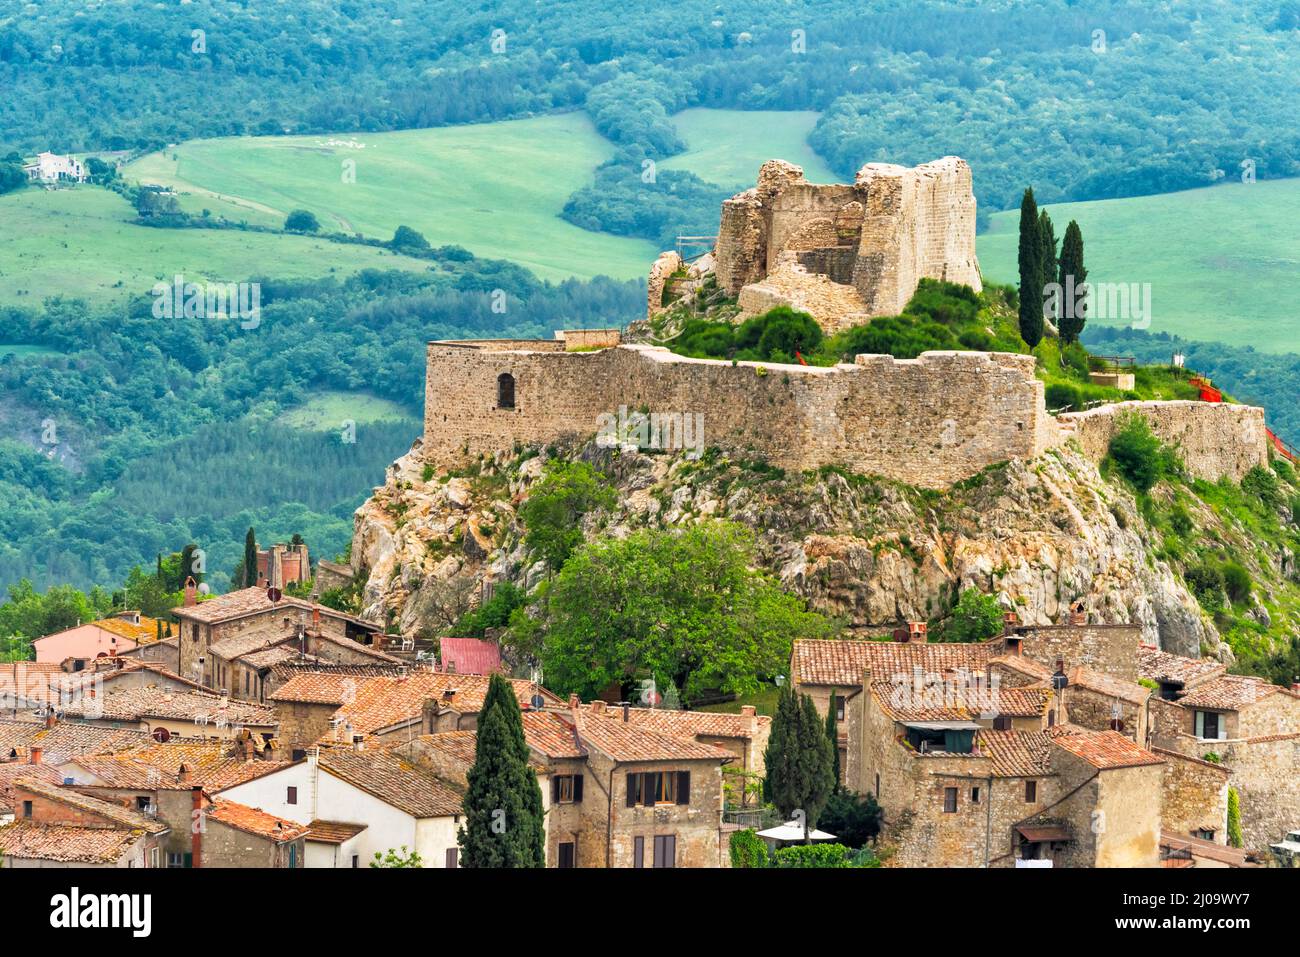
1040,534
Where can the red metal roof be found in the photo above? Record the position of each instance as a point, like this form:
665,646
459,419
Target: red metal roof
470,656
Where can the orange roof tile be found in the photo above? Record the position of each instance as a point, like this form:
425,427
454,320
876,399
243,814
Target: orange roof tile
1104,750
254,820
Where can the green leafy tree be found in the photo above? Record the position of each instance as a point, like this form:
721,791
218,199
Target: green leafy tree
397,858
747,849
301,221
854,819
553,512
975,617
686,604
822,856
408,239
1074,318
1139,454
503,802
250,558
798,759
1031,272
1234,818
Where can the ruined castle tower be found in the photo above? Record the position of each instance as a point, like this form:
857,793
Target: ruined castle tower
845,253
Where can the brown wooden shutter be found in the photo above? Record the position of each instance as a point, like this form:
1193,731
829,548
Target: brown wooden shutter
683,787
631,790
555,789
577,789
638,852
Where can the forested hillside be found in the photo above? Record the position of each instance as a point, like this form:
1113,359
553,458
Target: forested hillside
1085,98
127,435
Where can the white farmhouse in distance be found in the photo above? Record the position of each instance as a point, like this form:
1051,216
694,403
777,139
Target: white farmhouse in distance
53,168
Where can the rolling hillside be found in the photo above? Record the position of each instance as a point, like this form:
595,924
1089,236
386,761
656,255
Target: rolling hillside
1222,261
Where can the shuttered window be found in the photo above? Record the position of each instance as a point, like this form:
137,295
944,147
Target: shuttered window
665,850
638,852
566,789
649,788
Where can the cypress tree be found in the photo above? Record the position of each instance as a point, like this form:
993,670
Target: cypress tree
1047,254
250,558
503,803
1031,272
832,732
798,758
1073,318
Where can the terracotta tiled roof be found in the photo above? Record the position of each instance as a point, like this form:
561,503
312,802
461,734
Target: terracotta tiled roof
367,705
459,746
68,844
552,734
142,633
1104,750
1023,702
469,656
1022,665
393,779
156,767
252,601
66,739
134,704
713,724
1230,693
119,815
292,667
12,771
842,663
630,742
254,821
956,698
1157,665
333,832
272,647
1104,684
1017,754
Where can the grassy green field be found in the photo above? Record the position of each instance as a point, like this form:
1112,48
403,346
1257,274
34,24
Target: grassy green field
1222,262
495,188
327,411
728,146
80,243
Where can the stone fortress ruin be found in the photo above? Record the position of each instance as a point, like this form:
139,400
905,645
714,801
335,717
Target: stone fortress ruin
845,254
840,252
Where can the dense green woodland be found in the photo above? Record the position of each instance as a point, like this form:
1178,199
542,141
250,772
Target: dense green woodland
167,432
1084,98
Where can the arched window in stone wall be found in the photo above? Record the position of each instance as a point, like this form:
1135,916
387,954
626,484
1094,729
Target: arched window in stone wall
505,391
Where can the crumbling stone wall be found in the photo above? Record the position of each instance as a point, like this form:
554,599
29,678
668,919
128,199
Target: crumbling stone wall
878,236
1216,439
928,421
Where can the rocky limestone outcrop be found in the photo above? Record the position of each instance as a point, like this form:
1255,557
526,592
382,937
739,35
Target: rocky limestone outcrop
1040,534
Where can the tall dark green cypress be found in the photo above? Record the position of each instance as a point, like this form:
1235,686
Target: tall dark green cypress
1031,272
798,759
1074,319
503,803
833,734
250,558
1047,254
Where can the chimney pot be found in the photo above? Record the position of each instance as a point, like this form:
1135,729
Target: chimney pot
35,757
627,709
51,719
573,701
598,707
916,631
748,710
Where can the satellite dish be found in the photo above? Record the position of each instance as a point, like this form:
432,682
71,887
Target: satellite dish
102,654
162,735
538,702
273,594
204,589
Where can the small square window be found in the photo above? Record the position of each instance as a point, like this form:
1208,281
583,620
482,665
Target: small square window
974,795
291,797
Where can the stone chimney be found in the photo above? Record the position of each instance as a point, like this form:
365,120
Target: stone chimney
750,714
183,776
574,701
598,707
1010,621
196,829
191,592
916,632
1078,616
51,719
35,756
